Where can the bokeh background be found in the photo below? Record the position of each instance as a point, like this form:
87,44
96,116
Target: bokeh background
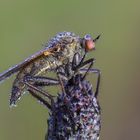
26,25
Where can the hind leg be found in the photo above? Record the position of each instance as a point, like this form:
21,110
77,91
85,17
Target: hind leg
41,81
30,82
33,86
40,99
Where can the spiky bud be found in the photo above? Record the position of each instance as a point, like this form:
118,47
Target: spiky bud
76,113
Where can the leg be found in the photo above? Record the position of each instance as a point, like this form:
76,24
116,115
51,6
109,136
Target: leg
84,64
90,62
63,76
96,71
33,84
41,81
37,89
76,60
33,90
82,60
60,77
76,67
44,102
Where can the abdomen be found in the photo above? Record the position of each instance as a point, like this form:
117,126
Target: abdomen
38,67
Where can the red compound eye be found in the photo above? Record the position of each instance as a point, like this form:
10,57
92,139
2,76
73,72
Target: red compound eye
89,43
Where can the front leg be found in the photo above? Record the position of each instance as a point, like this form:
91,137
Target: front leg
85,64
98,72
89,62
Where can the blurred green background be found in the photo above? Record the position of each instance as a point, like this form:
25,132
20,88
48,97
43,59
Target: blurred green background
25,25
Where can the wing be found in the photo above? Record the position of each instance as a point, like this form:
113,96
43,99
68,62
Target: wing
48,47
19,66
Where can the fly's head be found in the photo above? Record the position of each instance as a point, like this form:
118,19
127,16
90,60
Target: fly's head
84,45
88,43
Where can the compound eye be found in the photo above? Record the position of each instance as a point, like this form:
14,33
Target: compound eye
89,43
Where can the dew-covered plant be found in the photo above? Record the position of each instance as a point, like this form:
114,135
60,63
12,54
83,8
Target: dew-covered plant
76,113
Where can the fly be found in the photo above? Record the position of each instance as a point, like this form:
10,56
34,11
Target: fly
58,52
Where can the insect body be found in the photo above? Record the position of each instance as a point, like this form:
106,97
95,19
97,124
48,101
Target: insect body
58,52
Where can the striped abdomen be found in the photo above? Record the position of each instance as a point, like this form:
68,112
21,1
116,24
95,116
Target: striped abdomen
36,68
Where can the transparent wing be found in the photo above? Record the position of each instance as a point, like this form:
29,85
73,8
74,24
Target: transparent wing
19,66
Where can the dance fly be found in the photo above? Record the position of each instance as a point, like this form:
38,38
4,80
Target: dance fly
56,53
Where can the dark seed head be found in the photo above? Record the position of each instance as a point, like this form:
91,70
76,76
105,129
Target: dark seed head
78,116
